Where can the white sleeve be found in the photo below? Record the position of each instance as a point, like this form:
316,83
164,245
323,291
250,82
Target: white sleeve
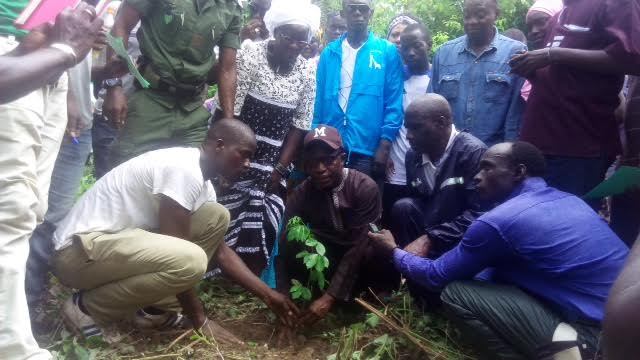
178,184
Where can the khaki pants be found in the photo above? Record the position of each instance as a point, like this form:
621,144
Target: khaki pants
32,130
132,269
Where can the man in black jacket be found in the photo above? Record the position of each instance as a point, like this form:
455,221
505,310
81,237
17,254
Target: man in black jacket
440,169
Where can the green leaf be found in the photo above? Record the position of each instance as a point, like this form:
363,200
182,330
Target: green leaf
326,262
311,242
296,283
320,249
372,320
310,261
319,265
306,294
295,293
322,282
302,254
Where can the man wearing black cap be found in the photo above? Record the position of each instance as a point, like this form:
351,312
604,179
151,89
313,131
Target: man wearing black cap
337,204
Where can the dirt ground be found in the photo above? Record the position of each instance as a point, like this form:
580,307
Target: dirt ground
235,310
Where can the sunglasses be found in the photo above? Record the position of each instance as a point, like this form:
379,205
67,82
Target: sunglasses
299,43
362,8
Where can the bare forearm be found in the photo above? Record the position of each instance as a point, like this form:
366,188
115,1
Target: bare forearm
597,61
126,20
227,81
21,75
232,266
292,143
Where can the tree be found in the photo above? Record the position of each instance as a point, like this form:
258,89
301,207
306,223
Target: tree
443,17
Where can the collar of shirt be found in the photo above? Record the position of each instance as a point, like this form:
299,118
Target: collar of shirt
528,185
426,161
493,45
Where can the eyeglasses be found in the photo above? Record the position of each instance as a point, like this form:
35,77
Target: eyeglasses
327,160
299,43
362,8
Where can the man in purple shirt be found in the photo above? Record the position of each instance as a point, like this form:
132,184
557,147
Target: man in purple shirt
576,78
543,259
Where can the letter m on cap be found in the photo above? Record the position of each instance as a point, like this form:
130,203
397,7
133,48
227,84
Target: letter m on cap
319,132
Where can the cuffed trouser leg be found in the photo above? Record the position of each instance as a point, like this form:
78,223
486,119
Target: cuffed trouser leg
503,322
123,272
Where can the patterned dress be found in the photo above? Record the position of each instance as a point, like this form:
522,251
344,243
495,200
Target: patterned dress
270,104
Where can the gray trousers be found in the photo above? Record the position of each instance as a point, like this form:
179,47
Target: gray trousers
503,322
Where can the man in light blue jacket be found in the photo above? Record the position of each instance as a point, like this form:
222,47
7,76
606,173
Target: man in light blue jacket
359,91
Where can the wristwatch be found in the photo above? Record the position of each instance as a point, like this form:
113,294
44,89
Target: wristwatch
109,83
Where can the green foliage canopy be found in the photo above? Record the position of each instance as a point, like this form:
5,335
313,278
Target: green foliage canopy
443,17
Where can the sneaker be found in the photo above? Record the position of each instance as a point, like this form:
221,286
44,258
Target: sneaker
164,321
77,321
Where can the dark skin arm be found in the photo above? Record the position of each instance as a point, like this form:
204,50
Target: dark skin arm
291,145
598,61
32,65
227,79
115,103
231,264
621,327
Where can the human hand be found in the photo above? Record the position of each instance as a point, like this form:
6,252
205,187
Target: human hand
254,29
384,240
101,40
74,120
420,246
391,168
283,307
526,63
115,106
211,330
77,28
380,160
34,40
317,311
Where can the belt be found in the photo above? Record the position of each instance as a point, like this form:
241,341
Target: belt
177,89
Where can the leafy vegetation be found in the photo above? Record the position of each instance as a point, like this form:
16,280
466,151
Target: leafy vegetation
313,258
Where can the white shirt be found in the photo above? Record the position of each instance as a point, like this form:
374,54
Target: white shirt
349,55
128,196
414,86
429,167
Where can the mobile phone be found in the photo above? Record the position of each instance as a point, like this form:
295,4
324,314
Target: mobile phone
373,228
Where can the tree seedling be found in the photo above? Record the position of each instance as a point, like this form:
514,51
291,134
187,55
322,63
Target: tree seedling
313,258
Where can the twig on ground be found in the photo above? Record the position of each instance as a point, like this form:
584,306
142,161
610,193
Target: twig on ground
395,326
182,336
155,357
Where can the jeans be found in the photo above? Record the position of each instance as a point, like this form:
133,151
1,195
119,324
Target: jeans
364,164
65,180
575,175
104,135
503,322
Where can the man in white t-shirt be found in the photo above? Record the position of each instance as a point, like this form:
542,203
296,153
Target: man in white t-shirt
141,238
415,47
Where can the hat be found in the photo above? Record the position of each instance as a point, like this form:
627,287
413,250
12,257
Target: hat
327,134
293,12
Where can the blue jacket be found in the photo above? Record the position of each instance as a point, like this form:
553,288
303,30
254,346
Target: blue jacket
483,94
374,110
547,242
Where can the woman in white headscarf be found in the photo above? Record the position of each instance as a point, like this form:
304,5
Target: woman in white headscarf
275,96
537,18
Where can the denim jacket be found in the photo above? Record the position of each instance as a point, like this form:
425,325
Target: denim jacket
483,94
375,109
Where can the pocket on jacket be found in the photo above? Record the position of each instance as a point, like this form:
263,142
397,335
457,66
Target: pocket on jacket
498,87
368,89
449,85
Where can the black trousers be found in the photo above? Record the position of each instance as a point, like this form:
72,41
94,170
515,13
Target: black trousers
503,322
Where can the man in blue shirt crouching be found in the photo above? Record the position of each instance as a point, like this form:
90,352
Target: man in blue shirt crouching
530,278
